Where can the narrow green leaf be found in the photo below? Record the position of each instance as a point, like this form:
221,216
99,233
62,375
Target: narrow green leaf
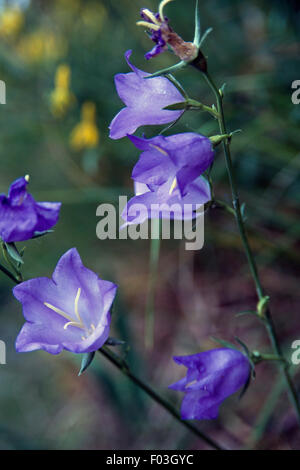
41,234
178,85
13,252
173,68
176,106
246,312
224,343
114,342
222,89
87,359
245,388
197,36
244,346
207,32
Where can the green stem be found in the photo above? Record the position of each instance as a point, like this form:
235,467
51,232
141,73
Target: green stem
123,367
250,257
153,267
223,205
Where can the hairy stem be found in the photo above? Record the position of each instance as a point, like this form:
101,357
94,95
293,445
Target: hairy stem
250,257
123,367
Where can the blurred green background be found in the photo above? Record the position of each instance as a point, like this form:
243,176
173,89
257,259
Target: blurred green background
58,60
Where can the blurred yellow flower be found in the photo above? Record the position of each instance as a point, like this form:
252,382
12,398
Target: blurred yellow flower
85,134
41,46
94,16
70,4
11,22
61,98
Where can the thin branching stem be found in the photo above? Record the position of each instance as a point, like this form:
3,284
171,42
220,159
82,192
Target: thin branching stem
123,367
250,257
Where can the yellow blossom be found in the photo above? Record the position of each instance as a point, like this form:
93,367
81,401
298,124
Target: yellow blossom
94,16
11,22
61,97
85,134
41,46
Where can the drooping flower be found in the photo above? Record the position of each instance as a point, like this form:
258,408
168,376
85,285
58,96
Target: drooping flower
21,217
181,157
85,134
163,35
61,97
69,311
144,100
211,377
165,202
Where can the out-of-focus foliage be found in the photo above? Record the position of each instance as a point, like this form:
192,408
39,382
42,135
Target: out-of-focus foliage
58,60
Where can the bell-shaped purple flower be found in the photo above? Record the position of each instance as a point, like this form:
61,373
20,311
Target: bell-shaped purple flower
21,217
165,202
69,311
211,377
144,100
182,156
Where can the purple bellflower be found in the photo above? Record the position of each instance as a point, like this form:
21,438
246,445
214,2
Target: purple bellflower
144,99
69,311
182,157
211,377
165,202
21,217
163,35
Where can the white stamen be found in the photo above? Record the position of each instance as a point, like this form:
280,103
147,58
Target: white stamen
155,27
59,311
161,8
76,304
71,322
151,16
156,147
191,383
173,186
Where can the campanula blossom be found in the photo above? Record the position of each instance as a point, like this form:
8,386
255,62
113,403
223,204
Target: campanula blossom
163,35
21,217
165,202
144,100
181,157
211,377
69,311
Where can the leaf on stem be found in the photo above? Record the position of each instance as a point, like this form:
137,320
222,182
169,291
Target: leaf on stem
197,36
13,252
114,342
174,68
86,361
